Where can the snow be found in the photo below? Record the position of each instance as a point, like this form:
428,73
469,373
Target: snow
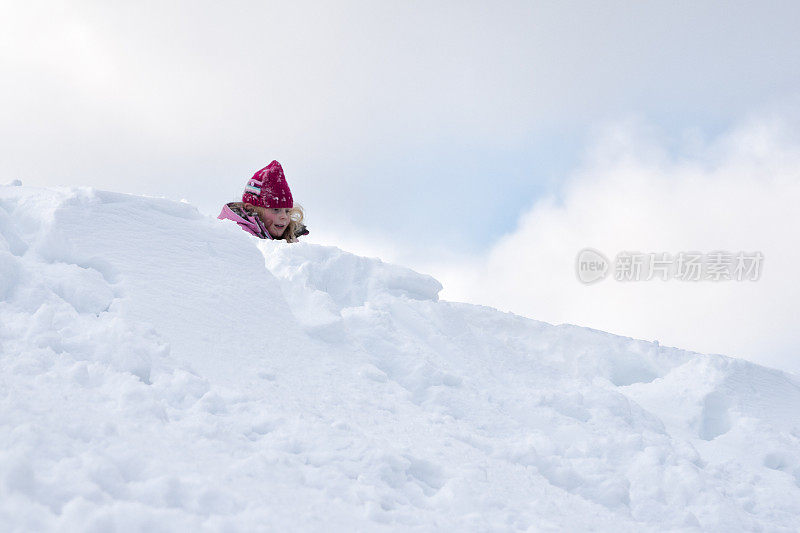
162,370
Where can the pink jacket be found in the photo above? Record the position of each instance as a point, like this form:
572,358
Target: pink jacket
250,223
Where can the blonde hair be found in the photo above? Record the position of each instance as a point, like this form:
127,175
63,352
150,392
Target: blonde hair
296,215
295,223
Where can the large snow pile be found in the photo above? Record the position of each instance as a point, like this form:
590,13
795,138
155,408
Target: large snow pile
158,374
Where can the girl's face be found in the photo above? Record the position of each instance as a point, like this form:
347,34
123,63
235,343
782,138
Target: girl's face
275,219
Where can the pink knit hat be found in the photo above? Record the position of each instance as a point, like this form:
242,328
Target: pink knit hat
268,188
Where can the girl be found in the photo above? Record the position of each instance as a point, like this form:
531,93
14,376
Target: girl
267,209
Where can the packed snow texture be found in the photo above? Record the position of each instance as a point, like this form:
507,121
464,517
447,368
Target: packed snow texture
164,371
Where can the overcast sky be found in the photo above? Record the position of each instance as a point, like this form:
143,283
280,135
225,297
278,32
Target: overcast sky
482,142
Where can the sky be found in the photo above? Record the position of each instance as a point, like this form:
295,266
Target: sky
483,143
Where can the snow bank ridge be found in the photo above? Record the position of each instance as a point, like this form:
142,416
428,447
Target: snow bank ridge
160,370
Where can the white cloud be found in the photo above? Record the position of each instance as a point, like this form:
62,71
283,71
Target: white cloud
187,89
738,193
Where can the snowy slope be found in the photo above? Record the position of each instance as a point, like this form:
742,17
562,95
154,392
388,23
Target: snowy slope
156,376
